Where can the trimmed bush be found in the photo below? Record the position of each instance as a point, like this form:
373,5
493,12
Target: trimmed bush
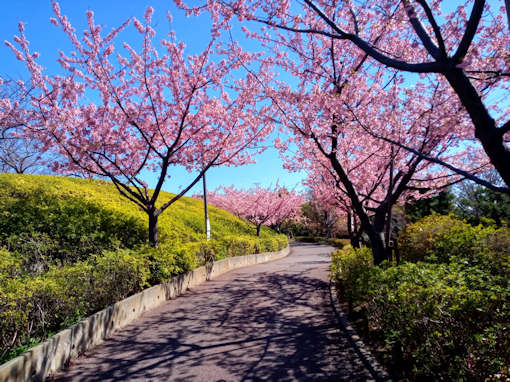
420,240
339,243
333,241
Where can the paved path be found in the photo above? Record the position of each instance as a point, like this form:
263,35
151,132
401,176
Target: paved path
270,322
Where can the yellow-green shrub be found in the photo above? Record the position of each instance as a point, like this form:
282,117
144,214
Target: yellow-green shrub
444,239
34,306
116,275
419,240
9,264
352,270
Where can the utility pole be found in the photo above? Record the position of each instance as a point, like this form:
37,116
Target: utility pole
206,211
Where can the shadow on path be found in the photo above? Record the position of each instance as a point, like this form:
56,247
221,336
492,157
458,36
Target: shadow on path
270,322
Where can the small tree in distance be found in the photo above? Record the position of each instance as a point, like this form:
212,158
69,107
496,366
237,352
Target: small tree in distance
258,205
151,111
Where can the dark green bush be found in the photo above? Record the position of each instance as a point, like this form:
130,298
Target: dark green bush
445,321
308,239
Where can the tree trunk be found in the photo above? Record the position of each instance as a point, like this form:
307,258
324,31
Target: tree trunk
377,245
387,235
153,229
375,236
258,229
485,126
352,229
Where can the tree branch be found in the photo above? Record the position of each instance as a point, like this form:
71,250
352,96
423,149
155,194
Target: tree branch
420,30
469,34
440,162
435,27
427,67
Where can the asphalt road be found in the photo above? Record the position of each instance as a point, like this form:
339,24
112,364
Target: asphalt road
270,322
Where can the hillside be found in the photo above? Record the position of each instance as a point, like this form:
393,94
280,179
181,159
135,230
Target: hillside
71,218
183,221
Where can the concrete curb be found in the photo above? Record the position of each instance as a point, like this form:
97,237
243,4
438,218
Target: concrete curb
373,366
56,353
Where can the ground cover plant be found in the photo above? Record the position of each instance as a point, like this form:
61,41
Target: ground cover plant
70,247
443,313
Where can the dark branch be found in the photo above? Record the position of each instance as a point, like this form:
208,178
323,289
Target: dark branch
420,31
469,34
435,27
427,67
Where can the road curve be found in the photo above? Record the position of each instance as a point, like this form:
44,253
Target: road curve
269,322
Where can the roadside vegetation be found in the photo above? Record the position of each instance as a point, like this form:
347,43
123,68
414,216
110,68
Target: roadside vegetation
70,247
442,313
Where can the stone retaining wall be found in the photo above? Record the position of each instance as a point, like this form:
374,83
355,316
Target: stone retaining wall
55,353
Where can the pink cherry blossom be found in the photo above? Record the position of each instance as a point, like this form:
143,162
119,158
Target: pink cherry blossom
117,110
260,206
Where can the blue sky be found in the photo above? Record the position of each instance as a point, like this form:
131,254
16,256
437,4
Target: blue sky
46,39
194,31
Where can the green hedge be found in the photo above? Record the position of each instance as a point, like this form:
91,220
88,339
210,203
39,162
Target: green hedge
444,316
333,241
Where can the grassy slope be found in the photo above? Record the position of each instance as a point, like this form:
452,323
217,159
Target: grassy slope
182,221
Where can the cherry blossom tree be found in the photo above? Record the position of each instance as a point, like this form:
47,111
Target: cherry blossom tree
466,47
258,205
116,110
373,131
340,100
334,204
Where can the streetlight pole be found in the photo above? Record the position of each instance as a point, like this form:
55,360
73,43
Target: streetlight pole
206,210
